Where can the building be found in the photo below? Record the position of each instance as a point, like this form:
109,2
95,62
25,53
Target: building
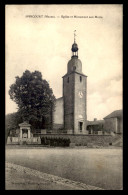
114,122
95,127
71,110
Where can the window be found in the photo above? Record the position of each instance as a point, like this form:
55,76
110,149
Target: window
68,80
80,78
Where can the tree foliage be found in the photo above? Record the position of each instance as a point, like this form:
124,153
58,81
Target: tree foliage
33,95
12,123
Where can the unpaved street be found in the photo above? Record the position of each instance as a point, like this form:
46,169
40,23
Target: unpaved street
96,167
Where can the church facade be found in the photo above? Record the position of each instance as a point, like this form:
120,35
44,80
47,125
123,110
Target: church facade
70,111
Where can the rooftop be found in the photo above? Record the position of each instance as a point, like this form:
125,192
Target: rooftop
97,122
115,114
24,124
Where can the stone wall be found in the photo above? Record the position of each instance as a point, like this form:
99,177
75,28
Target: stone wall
84,139
58,126
58,114
18,140
120,125
110,125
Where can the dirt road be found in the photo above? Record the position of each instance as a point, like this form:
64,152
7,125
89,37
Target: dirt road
97,167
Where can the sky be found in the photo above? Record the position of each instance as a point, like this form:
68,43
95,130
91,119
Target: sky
42,41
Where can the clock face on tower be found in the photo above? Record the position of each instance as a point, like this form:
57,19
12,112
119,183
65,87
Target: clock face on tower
80,94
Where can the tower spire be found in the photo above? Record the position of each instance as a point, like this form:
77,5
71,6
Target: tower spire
74,47
74,36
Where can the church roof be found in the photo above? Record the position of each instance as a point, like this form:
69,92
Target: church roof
74,47
74,61
59,98
115,114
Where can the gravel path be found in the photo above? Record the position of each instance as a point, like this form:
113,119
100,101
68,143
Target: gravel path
23,178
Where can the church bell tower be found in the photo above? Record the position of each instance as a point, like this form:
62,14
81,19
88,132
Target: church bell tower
75,94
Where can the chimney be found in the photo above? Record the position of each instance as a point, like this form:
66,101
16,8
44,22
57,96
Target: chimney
95,119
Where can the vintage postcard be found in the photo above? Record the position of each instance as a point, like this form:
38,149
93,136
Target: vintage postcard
64,115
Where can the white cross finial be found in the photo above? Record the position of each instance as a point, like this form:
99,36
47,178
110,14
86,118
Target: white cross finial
74,35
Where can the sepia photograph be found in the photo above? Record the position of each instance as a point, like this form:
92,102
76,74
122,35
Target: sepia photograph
63,97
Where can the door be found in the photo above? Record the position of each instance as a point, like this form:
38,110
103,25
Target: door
80,126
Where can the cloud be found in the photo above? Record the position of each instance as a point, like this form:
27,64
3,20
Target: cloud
105,98
97,108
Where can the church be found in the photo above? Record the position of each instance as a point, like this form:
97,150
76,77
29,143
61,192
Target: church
69,116
71,109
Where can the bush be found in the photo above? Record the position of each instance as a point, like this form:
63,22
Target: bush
55,141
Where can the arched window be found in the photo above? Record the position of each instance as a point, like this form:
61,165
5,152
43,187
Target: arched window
68,80
74,68
80,78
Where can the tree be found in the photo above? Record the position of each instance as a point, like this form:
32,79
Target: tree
33,95
12,122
